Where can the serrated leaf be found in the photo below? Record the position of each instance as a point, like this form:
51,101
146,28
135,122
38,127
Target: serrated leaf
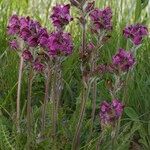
131,113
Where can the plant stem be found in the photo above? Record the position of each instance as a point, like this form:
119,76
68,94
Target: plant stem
46,97
85,90
54,118
76,139
113,138
18,94
100,141
29,107
83,36
56,94
54,101
94,91
59,86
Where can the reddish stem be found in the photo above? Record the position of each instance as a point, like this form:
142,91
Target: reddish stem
18,94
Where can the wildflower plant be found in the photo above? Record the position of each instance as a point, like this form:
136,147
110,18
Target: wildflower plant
100,24
121,64
25,33
59,45
135,33
43,52
110,113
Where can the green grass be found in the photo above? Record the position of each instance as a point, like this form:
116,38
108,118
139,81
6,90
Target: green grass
136,120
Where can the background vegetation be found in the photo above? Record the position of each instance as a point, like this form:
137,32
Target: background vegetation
135,128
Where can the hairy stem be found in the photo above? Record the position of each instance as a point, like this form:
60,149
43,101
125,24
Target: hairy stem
46,97
83,37
19,93
29,107
113,138
54,118
54,101
94,91
59,86
100,141
76,139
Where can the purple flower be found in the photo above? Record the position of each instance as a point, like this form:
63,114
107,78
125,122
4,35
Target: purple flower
24,22
32,41
105,110
90,46
27,29
137,40
118,107
32,25
135,33
13,25
27,56
61,15
13,44
14,19
43,40
101,19
43,37
60,43
110,112
101,69
123,60
38,66
25,33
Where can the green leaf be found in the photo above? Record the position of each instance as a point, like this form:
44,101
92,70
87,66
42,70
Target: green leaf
138,10
131,113
144,3
149,128
142,131
144,142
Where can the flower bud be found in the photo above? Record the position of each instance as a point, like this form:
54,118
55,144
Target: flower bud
27,56
14,45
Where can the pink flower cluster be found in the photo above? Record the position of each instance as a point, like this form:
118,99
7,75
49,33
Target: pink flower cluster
25,28
60,43
61,15
123,60
13,44
110,112
135,33
30,32
33,35
27,55
13,25
101,19
38,66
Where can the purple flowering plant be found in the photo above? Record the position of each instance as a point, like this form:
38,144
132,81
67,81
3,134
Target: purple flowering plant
44,52
110,112
30,39
61,15
135,33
